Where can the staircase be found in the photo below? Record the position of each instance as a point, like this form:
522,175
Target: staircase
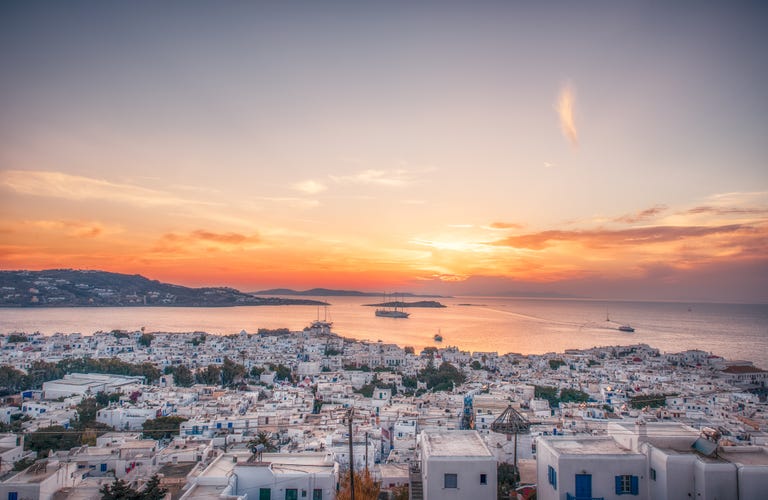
416,489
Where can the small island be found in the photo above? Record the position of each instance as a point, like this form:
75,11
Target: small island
400,304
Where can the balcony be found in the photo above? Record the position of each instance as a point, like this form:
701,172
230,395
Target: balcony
574,497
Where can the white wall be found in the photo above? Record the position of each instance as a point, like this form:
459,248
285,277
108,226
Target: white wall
468,470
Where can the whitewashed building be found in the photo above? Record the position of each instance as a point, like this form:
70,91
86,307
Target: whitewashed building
456,464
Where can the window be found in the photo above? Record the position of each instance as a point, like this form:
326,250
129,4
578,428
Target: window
653,474
265,494
483,478
627,484
291,494
13,495
317,494
552,476
450,481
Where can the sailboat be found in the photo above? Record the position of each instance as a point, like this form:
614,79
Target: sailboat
390,311
321,325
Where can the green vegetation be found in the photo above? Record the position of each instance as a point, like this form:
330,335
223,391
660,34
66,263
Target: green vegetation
282,372
442,379
507,479
556,363
652,400
182,375
53,438
17,337
13,380
23,464
554,397
231,372
146,339
476,365
262,438
162,427
120,490
210,375
273,331
573,396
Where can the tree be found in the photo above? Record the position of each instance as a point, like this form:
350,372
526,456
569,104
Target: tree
152,490
53,438
210,375
146,339
160,427
262,438
507,479
476,365
87,410
182,375
119,490
365,487
573,396
231,372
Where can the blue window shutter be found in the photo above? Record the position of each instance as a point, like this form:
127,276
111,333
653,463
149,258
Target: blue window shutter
635,485
618,485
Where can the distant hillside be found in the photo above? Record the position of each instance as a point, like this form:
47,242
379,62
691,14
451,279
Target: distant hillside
400,304
325,292
70,288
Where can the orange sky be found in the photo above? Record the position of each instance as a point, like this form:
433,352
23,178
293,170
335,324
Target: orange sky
276,147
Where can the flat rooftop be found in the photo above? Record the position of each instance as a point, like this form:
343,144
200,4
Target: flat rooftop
744,455
454,444
588,446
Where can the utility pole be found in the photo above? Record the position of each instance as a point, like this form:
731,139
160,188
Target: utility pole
351,457
366,452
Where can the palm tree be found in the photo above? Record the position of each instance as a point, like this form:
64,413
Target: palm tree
264,439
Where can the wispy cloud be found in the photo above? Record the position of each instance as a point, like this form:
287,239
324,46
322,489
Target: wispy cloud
565,110
78,188
613,238
390,178
74,228
643,215
290,201
310,187
183,242
505,225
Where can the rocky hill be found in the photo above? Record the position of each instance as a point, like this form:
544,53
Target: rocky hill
68,288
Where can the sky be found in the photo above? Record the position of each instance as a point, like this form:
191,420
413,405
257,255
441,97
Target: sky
599,149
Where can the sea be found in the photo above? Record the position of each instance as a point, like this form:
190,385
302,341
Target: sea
488,324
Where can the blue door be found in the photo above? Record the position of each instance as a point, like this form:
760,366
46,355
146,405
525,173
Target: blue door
583,485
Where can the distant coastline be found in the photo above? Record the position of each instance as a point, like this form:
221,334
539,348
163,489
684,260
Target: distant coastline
76,288
401,304
326,292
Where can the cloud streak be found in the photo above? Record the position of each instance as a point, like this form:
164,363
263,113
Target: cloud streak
643,215
565,110
310,186
79,188
616,238
389,178
183,242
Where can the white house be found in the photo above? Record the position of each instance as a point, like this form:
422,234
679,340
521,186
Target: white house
659,461
41,480
588,467
456,464
272,476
